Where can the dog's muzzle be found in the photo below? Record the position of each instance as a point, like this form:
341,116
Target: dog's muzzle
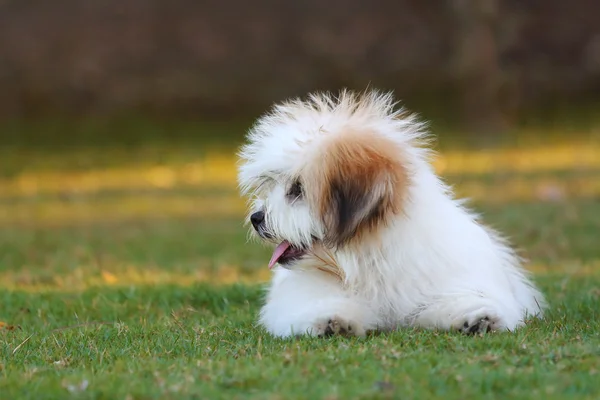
285,253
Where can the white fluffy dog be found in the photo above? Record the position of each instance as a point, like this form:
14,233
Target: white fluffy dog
369,238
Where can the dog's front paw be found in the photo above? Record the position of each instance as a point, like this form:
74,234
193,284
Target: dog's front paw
337,326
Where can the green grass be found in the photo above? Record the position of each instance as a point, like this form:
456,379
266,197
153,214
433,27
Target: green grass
194,339
173,342
163,303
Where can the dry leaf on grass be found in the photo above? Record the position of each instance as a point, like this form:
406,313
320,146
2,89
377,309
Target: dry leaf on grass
7,327
65,362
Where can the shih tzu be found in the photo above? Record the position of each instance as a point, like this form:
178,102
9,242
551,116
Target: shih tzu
367,236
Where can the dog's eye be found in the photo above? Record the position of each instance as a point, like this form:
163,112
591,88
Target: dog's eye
295,191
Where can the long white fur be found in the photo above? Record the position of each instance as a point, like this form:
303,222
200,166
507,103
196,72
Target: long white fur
434,266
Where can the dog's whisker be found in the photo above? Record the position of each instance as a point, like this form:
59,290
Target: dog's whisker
330,265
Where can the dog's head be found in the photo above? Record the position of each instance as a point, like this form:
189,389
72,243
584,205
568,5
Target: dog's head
327,173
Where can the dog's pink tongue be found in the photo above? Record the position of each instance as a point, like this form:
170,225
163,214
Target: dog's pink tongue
279,250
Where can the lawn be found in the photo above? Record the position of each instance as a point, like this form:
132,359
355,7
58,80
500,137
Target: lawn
135,280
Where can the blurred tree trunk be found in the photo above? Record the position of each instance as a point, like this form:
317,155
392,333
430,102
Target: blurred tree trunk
477,67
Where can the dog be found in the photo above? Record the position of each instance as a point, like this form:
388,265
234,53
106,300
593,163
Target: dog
368,237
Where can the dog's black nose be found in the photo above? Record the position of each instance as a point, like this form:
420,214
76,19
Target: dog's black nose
257,218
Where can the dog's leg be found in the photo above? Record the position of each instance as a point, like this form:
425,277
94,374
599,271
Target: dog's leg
315,304
469,313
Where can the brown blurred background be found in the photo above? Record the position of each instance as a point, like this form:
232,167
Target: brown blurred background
482,65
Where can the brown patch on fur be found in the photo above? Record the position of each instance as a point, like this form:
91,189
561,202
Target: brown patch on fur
356,182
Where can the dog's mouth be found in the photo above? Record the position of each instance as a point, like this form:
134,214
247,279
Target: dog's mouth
285,253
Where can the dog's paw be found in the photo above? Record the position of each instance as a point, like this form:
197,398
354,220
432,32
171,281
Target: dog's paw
478,327
480,322
337,326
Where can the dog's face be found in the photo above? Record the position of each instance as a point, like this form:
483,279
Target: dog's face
321,176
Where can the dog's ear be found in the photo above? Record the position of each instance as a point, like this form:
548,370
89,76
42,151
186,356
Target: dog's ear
359,181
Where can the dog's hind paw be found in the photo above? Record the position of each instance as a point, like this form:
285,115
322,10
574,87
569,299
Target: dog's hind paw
480,326
337,326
